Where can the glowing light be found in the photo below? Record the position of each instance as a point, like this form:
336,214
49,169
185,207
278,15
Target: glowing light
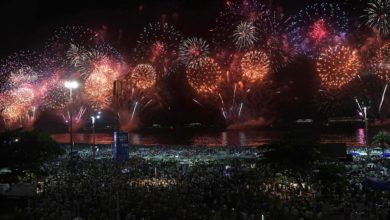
255,66
237,24
204,75
317,26
378,16
245,35
16,105
71,84
318,31
143,76
158,49
193,48
158,44
276,38
99,84
381,63
337,66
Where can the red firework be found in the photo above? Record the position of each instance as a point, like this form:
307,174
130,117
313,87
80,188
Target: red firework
318,31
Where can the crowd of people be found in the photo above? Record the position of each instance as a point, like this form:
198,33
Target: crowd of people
181,153
240,188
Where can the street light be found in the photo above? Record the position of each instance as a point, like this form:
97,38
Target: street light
71,85
93,119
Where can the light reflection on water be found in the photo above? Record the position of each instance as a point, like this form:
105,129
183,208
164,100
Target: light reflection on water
361,136
225,138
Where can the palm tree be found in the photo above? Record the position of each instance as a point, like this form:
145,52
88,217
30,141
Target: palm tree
382,139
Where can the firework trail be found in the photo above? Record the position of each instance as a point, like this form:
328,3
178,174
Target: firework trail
77,118
134,109
255,67
137,93
250,42
197,102
383,98
231,111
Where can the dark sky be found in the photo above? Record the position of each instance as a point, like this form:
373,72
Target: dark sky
26,24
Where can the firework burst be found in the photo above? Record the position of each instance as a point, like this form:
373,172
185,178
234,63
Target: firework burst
378,16
57,97
276,34
193,48
237,24
255,65
17,106
23,86
158,45
381,63
98,86
204,75
337,66
84,61
18,69
78,57
138,94
143,76
318,26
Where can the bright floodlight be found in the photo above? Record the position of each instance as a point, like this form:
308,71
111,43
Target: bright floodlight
71,84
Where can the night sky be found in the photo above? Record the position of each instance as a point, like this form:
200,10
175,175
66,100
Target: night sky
26,24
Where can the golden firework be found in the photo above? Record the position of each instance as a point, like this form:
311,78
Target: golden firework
16,103
255,65
381,63
98,86
337,66
204,75
143,76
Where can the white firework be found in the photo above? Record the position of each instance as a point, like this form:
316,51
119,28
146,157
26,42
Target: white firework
193,48
245,35
378,16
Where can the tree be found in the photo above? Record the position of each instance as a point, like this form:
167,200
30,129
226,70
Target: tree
24,152
382,139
